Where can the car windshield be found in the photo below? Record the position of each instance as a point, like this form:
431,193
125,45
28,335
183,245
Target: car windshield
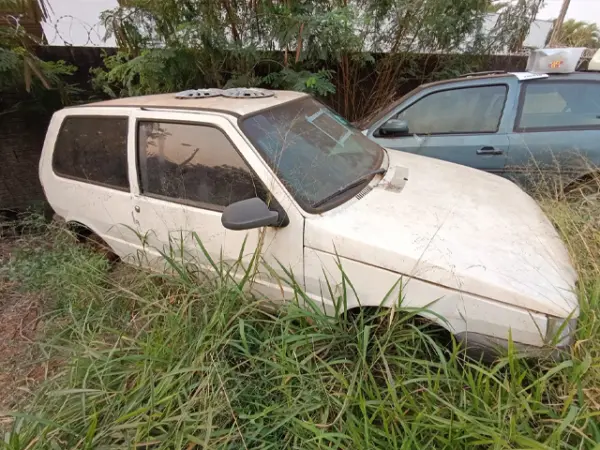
313,150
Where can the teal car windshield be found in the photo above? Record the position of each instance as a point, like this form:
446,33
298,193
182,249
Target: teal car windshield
313,151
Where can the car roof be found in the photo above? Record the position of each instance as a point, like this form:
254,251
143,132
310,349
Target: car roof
235,106
584,75
377,115
595,76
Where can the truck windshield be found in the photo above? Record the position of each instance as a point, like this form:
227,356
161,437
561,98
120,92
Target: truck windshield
312,150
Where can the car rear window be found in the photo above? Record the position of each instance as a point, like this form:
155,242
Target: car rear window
93,150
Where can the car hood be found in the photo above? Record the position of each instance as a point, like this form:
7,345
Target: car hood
457,227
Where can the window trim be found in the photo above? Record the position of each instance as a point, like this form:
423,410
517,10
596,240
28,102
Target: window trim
519,129
148,108
86,180
462,133
273,204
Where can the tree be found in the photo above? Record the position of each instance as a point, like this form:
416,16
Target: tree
495,6
35,9
576,33
20,68
16,57
319,46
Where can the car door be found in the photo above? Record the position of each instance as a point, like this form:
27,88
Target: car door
189,168
461,124
556,135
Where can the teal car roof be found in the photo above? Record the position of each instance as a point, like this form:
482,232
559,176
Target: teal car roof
465,81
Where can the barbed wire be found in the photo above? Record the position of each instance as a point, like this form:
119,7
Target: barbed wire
71,31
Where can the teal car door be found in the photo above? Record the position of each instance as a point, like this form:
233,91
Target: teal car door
556,135
459,122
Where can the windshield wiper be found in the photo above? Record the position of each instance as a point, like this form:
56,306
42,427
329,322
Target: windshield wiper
349,186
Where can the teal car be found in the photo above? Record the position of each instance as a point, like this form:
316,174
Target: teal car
523,126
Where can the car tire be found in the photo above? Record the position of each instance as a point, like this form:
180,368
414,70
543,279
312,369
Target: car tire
93,242
97,245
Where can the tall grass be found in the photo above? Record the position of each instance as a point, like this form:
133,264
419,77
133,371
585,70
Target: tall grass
181,362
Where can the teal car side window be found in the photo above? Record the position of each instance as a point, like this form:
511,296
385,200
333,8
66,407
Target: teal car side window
559,105
457,111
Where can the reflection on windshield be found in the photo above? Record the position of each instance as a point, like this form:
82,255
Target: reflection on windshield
312,150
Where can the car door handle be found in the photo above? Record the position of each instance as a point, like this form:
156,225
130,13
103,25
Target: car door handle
489,151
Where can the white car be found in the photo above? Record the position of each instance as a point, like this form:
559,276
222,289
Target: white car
471,249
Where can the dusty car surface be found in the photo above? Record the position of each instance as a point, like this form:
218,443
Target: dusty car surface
543,124
279,172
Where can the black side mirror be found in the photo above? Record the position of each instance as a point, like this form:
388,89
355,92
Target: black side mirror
394,127
250,214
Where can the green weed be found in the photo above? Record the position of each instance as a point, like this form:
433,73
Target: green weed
179,361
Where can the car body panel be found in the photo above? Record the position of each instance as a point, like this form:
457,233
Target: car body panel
170,225
455,310
485,237
461,148
552,157
457,149
559,156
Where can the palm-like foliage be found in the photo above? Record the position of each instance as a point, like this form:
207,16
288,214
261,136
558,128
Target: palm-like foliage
576,33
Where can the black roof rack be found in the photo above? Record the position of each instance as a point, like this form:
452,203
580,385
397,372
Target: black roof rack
480,74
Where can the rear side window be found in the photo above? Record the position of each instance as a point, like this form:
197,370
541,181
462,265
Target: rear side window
196,164
559,105
93,149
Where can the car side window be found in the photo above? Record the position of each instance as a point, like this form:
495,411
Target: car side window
559,105
194,163
457,111
94,150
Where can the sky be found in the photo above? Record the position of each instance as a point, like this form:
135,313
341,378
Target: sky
586,10
76,22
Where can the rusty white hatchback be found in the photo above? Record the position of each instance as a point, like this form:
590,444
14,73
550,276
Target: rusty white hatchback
278,173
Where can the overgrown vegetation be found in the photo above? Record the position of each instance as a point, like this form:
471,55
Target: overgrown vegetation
177,361
576,33
33,84
361,49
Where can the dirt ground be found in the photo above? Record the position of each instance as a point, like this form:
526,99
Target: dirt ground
20,365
